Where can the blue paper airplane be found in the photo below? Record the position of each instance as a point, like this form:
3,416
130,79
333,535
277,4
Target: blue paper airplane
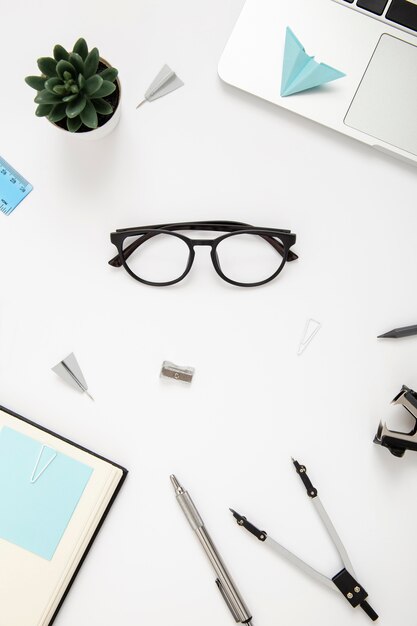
300,71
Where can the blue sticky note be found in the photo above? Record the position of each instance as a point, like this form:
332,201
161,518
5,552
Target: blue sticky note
39,491
300,71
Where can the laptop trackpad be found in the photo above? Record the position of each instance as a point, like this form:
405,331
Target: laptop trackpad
385,104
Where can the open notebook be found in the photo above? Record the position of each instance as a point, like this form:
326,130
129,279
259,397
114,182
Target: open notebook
54,496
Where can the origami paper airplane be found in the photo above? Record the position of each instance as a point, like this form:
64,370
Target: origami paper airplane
165,82
70,371
300,71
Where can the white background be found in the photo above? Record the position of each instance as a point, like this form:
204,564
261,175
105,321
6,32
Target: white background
210,152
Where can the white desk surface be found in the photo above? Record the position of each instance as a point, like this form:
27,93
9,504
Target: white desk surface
210,152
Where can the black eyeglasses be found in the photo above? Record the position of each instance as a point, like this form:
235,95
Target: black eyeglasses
246,256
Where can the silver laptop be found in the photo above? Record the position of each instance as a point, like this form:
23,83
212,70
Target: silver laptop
373,42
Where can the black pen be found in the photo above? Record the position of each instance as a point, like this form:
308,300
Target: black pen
397,333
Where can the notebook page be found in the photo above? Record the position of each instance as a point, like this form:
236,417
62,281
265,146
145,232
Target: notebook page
66,579
29,584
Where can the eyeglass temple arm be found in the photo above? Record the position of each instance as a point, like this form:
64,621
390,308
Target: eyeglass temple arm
202,225
117,261
280,248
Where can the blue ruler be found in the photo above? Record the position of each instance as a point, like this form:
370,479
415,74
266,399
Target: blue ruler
13,187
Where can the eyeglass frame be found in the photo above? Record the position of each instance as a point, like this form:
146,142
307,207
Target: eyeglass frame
230,228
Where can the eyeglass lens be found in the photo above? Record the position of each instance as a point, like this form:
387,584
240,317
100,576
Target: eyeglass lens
160,259
247,258
242,258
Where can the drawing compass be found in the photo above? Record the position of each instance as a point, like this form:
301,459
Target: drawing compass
344,581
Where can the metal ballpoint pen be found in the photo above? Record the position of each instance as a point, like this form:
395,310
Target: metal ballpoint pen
224,581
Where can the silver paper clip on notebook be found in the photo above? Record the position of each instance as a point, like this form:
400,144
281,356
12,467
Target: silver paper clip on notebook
70,371
35,476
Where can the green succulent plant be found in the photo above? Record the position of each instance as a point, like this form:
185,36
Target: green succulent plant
71,87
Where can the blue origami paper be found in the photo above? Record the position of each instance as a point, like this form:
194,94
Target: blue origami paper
300,71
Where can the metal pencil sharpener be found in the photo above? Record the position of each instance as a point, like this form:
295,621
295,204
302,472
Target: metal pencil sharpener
177,372
398,442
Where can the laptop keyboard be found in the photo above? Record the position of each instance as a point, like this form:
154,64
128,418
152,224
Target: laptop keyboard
399,12
374,6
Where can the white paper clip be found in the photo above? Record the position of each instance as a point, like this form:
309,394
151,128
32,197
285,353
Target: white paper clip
177,372
311,329
35,476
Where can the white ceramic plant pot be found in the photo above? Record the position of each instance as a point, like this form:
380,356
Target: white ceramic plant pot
101,131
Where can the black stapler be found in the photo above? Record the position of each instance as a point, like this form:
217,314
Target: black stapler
398,442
